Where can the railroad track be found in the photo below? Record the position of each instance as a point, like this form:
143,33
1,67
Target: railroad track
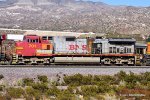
72,66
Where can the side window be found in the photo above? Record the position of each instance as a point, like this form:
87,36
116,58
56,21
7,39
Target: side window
118,51
121,50
125,50
28,40
50,38
129,50
70,39
36,41
114,49
33,41
44,37
110,49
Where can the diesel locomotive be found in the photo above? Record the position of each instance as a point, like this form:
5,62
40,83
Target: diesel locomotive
35,49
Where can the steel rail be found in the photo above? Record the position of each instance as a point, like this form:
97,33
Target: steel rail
70,66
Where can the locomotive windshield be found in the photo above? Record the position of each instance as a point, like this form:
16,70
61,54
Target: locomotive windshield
32,39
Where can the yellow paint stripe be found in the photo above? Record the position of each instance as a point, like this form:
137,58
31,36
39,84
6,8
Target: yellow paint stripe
19,48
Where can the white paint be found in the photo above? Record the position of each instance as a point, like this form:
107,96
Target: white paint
44,51
15,37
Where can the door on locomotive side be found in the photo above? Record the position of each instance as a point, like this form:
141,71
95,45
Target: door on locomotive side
97,48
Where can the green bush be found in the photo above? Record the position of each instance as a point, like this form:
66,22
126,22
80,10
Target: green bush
78,80
148,85
103,87
87,80
66,95
43,87
71,89
131,85
131,80
89,90
42,78
32,93
15,92
120,76
27,81
53,91
1,76
2,87
73,80
108,79
145,78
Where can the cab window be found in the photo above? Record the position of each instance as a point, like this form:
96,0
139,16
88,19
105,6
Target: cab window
32,40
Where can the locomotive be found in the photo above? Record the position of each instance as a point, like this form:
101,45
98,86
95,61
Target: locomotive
34,49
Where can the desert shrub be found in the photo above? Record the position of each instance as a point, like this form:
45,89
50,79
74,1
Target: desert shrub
27,81
131,85
87,80
78,80
89,90
66,95
103,87
98,97
43,87
32,93
42,78
71,89
15,92
105,78
1,76
2,87
73,80
131,80
108,79
120,76
53,91
148,85
145,78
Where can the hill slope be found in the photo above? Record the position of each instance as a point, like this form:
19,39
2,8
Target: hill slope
74,15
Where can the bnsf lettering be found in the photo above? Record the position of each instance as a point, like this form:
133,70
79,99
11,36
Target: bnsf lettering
76,47
73,47
84,47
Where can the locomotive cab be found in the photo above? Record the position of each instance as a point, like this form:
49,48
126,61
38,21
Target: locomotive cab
34,47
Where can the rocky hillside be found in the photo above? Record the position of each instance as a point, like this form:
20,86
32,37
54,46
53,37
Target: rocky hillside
72,15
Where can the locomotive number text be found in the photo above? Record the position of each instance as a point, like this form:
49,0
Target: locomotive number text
32,46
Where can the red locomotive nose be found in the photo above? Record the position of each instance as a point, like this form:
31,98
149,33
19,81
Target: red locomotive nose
3,37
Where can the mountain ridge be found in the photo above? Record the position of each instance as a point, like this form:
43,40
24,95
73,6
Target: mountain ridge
72,15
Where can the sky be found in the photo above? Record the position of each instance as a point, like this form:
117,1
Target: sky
126,2
123,2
